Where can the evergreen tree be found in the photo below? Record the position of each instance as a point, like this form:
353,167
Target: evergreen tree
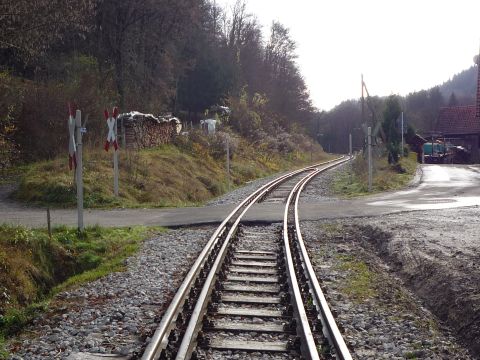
391,115
452,101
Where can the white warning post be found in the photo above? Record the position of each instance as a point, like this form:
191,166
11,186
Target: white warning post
75,157
112,140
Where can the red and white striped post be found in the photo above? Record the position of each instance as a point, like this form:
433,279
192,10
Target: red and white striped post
112,139
72,148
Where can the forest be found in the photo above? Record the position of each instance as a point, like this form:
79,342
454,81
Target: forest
152,56
170,56
420,112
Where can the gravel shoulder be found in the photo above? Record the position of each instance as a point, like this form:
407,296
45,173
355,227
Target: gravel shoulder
118,313
377,313
437,254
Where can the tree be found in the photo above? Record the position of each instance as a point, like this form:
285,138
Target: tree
452,101
335,126
142,40
391,115
284,85
28,29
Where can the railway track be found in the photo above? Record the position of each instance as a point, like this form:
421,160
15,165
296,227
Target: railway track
252,292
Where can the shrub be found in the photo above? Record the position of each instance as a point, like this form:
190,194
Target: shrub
217,144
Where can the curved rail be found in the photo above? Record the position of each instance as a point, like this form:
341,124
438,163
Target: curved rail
330,328
303,326
160,337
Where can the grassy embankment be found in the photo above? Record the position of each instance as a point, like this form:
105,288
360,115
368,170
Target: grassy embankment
385,177
168,176
34,267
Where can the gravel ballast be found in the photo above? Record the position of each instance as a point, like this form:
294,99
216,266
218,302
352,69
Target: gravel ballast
117,313
320,183
379,317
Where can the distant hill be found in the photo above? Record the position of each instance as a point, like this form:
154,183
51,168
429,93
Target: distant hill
463,85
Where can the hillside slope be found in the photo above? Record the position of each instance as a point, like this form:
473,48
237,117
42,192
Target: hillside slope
185,174
463,85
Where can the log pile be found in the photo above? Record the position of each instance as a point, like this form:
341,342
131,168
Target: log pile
143,131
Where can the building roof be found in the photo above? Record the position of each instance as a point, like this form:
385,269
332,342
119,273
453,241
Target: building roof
458,120
416,142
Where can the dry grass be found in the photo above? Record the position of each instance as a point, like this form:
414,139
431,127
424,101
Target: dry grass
386,177
168,176
34,267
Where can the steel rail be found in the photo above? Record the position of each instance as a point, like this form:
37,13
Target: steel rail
187,345
308,346
330,328
159,339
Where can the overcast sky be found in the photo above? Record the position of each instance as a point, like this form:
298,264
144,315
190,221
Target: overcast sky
399,46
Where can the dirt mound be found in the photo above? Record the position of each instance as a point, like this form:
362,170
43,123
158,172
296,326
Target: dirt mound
446,278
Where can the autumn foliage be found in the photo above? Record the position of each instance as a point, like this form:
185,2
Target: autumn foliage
153,56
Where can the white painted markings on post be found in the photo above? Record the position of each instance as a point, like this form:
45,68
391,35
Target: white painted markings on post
112,134
112,139
72,147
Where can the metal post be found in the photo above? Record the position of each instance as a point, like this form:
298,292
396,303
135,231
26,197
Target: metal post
350,144
370,167
78,127
228,163
115,164
401,152
363,103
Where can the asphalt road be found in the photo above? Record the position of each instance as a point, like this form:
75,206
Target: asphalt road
439,187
